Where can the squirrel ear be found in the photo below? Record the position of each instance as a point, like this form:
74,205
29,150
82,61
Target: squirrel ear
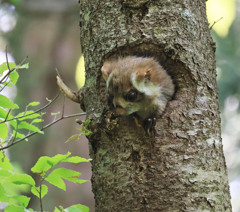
106,70
147,75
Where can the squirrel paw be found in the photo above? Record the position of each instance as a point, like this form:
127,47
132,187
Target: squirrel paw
149,125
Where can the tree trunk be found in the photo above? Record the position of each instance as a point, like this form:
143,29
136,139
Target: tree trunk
182,166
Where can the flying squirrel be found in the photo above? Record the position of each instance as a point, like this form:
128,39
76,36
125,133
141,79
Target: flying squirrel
136,85
139,86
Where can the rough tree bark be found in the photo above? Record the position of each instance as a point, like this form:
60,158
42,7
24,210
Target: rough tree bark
181,167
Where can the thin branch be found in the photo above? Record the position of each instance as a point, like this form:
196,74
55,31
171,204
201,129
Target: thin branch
45,127
40,197
63,106
215,23
10,70
5,120
69,93
37,111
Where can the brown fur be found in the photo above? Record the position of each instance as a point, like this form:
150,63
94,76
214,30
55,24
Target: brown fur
144,76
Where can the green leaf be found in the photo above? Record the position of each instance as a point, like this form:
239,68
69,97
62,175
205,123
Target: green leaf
45,163
37,120
13,123
14,77
42,165
56,210
15,1
4,162
77,208
14,208
4,114
84,128
54,114
26,125
55,178
20,179
21,200
30,114
7,103
3,131
33,104
36,191
72,138
87,122
8,84
75,159
18,134
4,67
3,196
3,174
24,66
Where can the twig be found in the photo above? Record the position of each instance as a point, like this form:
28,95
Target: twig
69,93
215,23
10,70
37,111
45,127
7,115
40,197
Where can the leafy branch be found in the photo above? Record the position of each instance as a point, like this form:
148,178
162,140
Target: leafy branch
16,128
18,122
46,168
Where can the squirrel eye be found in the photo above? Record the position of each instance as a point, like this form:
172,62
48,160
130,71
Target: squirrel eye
131,96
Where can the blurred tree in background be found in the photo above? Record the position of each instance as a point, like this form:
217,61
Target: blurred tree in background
226,32
48,33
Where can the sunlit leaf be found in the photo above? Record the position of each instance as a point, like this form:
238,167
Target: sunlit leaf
3,196
7,103
77,208
4,162
26,125
73,208
20,179
4,67
23,66
14,208
4,114
33,104
37,120
72,138
4,173
13,123
55,178
56,210
75,159
30,114
36,191
14,77
45,163
21,200
8,84
54,114
3,131
18,134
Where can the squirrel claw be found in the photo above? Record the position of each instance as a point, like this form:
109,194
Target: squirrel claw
149,125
